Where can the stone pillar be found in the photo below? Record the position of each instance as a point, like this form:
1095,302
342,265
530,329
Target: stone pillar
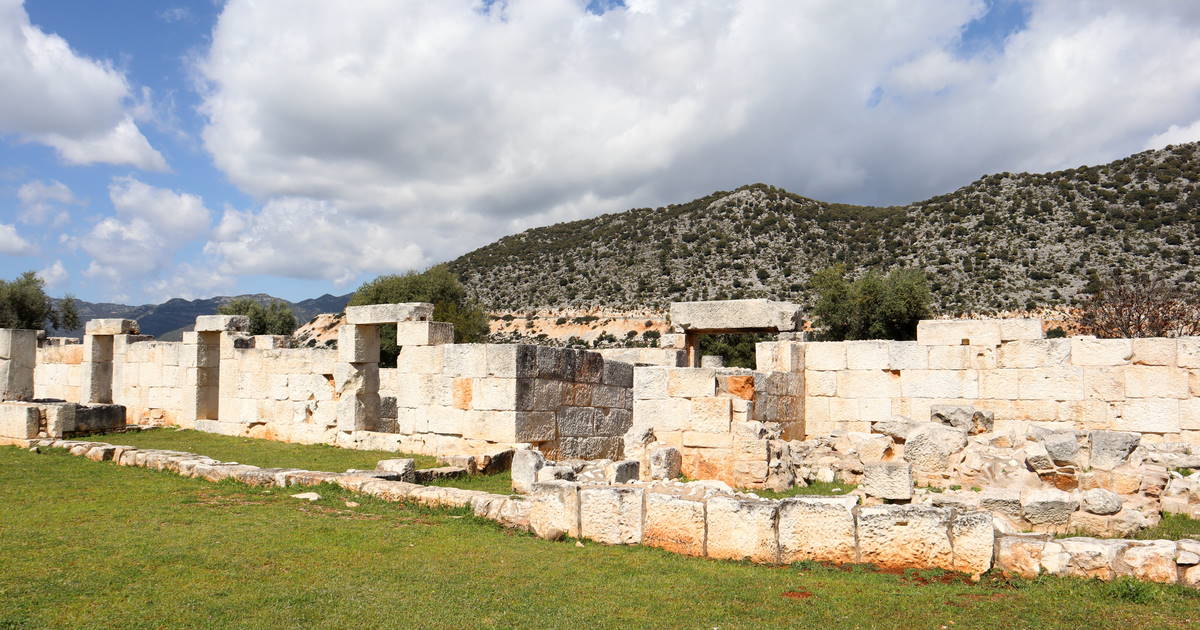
98,357
692,343
18,351
201,362
357,371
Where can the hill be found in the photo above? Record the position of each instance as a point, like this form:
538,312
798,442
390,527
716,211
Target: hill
1006,241
169,319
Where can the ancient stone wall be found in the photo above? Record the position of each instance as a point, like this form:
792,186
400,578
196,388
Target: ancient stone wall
1149,386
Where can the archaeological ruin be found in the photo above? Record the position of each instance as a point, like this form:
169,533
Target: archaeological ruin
981,445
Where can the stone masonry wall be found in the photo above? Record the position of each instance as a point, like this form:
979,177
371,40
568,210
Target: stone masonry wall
58,372
1149,386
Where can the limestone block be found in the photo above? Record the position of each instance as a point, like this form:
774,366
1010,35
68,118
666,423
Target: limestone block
1034,353
665,462
500,394
611,514
650,382
947,357
554,509
869,383
1105,383
1154,351
907,355
624,471
972,535
742,529
674,522
887,480
1063,448
825,355
1101,501
1081,557
613,422
819,529
1089,351
999,384
465,359
1189,414
1148,415
358,344
1048,506
932,383
930,445
867,355
404,467
111,327
698,439
423,360
954,332
669,414
821,383
973,421
675,341
19,346
710,414
903,536
1020,329
1020,553
1054,383
691,382
388,313
577,421
1150,561
18,420
617,374
1145,381
727,315
1187,352
60,419
1110,449
510,360
424,333
357,411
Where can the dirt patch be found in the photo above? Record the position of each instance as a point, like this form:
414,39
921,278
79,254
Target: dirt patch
796,594
208,499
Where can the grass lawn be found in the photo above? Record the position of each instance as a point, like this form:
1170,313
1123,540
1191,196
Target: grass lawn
256,452
816,487
1171,527
94,545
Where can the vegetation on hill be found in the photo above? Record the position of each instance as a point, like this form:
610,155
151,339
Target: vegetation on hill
874,306
1006,241
273,318
437,285
24,304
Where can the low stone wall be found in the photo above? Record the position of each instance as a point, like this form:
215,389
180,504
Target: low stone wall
1149,386
58,372
1163,561
726,422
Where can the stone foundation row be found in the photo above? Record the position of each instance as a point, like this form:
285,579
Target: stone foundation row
693,519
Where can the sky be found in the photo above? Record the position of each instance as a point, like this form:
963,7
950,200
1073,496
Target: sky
151,150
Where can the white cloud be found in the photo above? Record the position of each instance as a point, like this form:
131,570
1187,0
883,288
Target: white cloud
12,244
175,14
1175,134
46,201
385,133
189,282
54,275
59,98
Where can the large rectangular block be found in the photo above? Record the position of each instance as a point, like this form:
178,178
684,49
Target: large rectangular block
665,414
1061,383
710,414
904,536
959,332
388,313
932,383
819,529
907,355
1149,381
650,382
495,393
1034,353
869,383
675,523
222,323
1154,351
18,420
465,359
867,355
554,509
742,529
1089,351
511,360
691,382
947,357
729,315
1020,329
111,327
358,344
1149,415
424,333
1188,352
611,514
825,355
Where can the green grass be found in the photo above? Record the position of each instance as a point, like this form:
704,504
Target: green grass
256,452
94,545
499,483
817,487
1171,527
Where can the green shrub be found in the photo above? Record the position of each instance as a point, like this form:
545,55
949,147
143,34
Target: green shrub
273,318
24,304
872,307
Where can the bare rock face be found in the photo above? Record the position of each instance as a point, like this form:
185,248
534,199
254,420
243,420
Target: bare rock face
930,446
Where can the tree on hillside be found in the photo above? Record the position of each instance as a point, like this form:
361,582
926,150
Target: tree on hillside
24,304
273,318
1140,308
437,285
874,306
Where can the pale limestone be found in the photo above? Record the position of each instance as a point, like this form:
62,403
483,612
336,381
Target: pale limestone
388,313
742,529
675,523
901,536
820,529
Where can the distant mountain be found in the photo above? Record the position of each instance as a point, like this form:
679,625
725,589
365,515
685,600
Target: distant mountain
1007,241
171,318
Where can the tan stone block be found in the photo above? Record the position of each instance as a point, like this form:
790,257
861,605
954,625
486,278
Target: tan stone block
420,359
1089,351
1029,410
691,382
827,355
1056,383
554,509
874,409
1154,351
904,536
947,357
816,412
1020,554
667,414
843,410
932,383
493,393
972,536
674,523
958,332
649,382
698,439
819,529
907,355
982,357
710,414
1020,329
1187,352
867,355
1144,381
868,383
1189,414
1104,383
825,383
388,313
358,344
742,529
1149,415
422,333
999,384
1085,414
1034,353
611,514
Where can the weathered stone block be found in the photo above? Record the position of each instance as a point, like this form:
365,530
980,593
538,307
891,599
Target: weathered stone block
1150,561
617,374
867,355
665,462
624,471
1149,415
930,445
1020,553
1110,449
1149,381
710,414
611,514
691,382
388,313
819,529
825,355
111,327
650,382
742,529
955,332
1020,329
1034,353
1049,507
1089,351
18,420
1154,351
907,355
404,467
674,523
902,536
726,315
887,480
358,344
554,509
422,333
973,421
972,536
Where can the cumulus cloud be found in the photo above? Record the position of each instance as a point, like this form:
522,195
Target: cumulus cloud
59,98
1175,134
45,201
54,275
12,243
397,132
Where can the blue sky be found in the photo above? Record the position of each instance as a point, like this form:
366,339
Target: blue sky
296,148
